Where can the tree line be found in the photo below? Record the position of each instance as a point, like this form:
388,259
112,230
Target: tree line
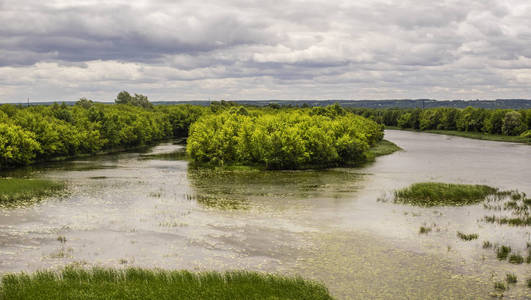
493,121
38,133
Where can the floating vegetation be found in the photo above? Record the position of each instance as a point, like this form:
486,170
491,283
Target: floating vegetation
136,283
502,252
15,190
443,194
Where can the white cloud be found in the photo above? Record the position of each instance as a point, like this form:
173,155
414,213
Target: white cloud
179,50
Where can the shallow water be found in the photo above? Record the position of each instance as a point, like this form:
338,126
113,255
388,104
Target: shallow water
150,210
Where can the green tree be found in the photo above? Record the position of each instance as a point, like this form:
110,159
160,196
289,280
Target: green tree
513,123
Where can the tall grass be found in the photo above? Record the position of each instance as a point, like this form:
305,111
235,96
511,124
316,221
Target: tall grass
14,189
134,283
443,194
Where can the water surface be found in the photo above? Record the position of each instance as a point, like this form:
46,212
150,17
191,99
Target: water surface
151,210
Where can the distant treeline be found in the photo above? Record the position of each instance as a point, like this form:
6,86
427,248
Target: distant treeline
401,103
37,133
494,121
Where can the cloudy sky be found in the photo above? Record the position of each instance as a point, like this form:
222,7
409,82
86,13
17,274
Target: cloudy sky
278,49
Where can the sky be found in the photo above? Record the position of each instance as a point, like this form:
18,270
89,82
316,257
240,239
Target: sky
59,50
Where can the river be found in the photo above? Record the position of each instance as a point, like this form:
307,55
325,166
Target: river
150,210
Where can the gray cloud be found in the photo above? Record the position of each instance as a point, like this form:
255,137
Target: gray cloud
240,49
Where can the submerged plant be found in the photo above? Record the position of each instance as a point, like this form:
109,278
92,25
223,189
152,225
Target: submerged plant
487,244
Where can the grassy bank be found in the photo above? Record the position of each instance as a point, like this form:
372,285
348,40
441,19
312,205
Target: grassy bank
473,135
98,283
14,190
441,194
383,147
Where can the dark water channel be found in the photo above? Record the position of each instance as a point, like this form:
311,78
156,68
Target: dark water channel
151,210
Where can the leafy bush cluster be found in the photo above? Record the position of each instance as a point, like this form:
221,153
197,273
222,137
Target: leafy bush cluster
36,133
494,121
282,139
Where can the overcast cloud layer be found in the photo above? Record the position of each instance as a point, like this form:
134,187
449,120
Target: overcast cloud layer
285,49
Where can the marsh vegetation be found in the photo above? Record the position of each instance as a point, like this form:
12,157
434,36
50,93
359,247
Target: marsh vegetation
441,194
135,283
16,190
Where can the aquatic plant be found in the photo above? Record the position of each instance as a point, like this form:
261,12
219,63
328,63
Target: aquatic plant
511,278
516,259
502,252
15,190
467,237
441,194
135,283
487,244
424,229
500,286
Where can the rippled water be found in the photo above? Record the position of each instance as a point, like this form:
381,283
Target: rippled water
151,210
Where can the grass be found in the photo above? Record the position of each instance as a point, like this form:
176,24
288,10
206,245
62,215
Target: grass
500,286
13,190
475,135
467,237
503,252
134,283
384,147
487,245
511,278
443,194
516,259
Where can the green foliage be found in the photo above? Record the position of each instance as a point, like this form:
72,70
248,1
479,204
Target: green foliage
282,138
17,146
513,123
440,194
135,283
45,132
13,190
474,120
137,100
